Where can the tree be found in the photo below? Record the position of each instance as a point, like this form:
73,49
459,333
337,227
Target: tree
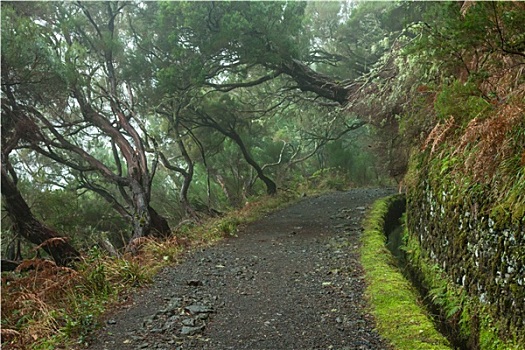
236,39
83,42
111,104
32,229
23,220
229,130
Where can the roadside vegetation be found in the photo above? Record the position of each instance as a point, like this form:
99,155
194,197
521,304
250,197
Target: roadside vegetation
415,304
400,314
45,306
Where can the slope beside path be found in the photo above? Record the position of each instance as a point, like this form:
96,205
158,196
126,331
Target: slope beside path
289,281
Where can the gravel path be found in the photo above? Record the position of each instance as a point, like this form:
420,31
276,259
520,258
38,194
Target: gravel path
289,281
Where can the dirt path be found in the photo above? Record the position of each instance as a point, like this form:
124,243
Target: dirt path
289,281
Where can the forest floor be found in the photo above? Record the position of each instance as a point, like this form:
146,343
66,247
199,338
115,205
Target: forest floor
291,280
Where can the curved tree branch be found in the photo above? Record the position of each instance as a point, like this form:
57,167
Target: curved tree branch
232,86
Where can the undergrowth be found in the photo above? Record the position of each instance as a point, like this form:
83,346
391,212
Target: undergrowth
45,306
400,316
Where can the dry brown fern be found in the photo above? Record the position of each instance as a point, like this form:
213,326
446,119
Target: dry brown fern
438,134
489,141
51,242
8,334
136,245
35,264
34,291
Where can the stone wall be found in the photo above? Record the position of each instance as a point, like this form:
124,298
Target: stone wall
482,249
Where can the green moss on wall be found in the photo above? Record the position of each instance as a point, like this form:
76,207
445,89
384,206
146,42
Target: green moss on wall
466,236
468,319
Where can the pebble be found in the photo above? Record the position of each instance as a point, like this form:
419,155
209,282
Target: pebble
191,330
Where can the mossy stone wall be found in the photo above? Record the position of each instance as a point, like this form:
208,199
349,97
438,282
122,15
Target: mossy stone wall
482,249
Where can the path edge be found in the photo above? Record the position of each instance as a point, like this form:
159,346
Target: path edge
400,317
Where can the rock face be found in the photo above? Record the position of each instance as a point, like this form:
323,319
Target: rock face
289,281
478,246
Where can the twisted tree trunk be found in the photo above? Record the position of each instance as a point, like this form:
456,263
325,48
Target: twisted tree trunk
32,229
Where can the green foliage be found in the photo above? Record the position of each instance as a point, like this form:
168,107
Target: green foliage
449,38
228,226
359,34
103,280
96,279
463,101
329,179
443,38
26,56
227,32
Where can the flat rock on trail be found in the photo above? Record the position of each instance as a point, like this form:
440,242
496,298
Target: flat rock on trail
291,280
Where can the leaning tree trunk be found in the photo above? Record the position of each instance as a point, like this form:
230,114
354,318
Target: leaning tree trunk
271,187
33,230
323,85
188,178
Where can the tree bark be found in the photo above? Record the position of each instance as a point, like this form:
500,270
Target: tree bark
306,78
159,225
187,175
33,230
141,219
174,118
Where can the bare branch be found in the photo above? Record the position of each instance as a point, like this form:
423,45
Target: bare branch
280,160
65,144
